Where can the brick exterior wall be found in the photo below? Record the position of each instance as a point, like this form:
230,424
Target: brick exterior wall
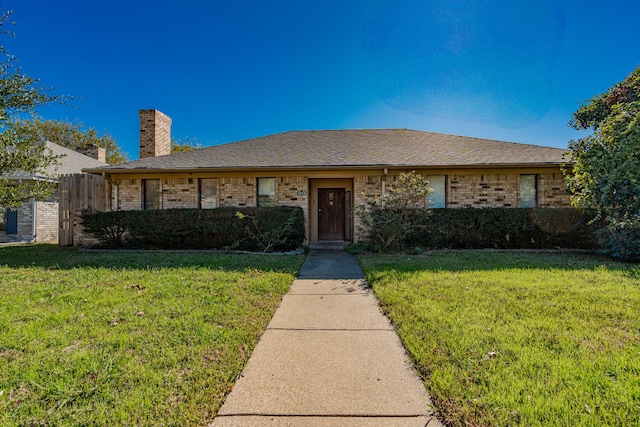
552,191
482,191
502,190
155,133
463,190
25,222
294,191
366,189
237,192
129,194
47,224
179,193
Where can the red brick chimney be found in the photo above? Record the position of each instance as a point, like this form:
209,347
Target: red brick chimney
155,134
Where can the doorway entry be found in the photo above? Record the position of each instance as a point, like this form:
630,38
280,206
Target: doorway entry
331,214
11,221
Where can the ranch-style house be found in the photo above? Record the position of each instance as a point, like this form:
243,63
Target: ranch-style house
328,172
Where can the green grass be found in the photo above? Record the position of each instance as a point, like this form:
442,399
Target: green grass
129,338
506,339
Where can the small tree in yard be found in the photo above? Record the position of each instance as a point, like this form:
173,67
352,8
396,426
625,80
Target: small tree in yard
606,170
387,223
71,135
20,95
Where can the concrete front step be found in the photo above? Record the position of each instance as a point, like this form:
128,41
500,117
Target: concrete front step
336,245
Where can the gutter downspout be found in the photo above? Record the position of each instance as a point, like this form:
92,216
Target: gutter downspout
384,184
116,197
34,219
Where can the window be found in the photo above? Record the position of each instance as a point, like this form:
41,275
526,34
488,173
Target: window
208,191
528,191
437,199
150,194
266,192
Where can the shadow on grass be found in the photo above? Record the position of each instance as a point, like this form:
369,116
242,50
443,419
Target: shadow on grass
480,260
55,257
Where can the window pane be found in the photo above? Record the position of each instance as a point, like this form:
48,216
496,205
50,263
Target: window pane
437,199
151,194
208,193
528,191
266,191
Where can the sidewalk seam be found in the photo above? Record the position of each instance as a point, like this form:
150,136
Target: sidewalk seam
323,415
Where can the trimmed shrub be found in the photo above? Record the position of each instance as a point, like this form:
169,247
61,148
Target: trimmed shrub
508,228
620,240
269,229
108,227
387,223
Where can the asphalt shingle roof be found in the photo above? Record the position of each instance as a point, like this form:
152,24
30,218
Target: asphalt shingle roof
351,148
69,162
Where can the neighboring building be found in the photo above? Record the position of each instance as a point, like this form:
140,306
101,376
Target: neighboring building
37,220
327,172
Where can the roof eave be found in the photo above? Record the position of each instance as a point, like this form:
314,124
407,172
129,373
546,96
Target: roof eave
100,171
30,178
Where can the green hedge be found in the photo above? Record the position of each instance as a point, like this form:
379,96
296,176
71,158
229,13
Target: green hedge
256,229
508,228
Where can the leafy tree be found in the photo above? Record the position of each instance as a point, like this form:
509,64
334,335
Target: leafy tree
70,135
185,144
606,170
20,95
387,223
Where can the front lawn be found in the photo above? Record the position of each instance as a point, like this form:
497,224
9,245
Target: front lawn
507,339
129,338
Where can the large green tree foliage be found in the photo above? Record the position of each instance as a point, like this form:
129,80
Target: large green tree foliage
606,170
70,135
20,95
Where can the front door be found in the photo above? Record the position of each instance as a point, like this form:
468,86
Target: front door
331,211
11,221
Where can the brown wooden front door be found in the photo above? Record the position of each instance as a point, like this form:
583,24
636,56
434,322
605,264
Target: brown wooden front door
331,213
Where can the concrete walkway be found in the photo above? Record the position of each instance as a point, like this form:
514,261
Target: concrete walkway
329,357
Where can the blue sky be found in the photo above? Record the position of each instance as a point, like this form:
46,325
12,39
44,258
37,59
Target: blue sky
512,70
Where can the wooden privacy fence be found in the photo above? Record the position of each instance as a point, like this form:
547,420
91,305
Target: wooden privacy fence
80,193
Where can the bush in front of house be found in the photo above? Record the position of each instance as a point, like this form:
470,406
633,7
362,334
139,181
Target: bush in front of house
387,223
506,228
265,229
